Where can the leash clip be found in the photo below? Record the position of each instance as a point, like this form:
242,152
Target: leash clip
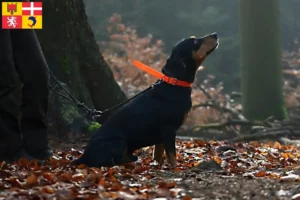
158,82
176,81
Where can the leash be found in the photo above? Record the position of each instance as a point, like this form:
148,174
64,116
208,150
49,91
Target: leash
91,114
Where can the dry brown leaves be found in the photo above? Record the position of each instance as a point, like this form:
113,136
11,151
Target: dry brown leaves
140,180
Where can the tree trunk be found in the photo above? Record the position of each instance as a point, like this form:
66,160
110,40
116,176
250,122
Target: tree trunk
73,55
262,85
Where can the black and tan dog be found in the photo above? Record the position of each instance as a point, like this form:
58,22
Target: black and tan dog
154,117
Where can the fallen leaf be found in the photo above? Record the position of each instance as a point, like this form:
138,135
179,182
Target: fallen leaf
289,178
48,190
140,169
187,197
49,177
261,174
296,197
32,180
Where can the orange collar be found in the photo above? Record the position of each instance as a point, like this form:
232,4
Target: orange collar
161,76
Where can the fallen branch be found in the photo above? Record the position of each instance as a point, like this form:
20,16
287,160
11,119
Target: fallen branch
222,109
268,134
287,141
232,123
214,104
235,95
187,138
208,134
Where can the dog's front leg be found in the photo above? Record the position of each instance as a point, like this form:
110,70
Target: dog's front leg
158,153
168,137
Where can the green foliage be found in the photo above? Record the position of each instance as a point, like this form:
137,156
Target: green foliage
69,112
94,126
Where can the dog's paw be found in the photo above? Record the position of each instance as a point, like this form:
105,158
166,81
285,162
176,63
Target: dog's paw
168,166
172,163
172,160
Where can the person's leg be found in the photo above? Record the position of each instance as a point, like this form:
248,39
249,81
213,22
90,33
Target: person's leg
34,74
10,135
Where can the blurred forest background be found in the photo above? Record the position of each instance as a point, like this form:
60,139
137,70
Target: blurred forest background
170,21
102,37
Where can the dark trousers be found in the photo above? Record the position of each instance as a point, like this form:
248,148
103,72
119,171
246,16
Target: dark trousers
21,57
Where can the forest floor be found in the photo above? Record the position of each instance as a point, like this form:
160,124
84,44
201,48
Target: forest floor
206,170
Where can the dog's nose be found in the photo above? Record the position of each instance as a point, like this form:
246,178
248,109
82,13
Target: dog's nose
215,35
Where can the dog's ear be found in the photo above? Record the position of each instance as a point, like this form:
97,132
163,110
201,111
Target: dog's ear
175,66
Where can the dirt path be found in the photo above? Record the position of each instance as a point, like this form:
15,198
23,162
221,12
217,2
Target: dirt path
216,186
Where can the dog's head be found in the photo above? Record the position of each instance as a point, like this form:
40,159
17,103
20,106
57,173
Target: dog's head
187,56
